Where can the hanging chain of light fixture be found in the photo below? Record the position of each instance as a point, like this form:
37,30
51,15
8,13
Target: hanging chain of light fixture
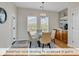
42,6
42,9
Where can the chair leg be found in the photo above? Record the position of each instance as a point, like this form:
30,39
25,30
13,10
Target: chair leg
13,43
30,44
38,43
54,40
43,46
49,45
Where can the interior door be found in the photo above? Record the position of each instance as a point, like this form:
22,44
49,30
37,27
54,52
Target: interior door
75,27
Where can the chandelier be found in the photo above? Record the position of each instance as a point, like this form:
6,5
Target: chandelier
42,14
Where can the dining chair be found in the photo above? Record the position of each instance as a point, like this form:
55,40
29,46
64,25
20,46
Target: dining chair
53,35
45,39
34,38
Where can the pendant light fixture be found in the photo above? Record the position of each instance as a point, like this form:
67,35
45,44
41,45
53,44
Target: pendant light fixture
42,14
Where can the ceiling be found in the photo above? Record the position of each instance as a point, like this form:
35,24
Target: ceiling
50,6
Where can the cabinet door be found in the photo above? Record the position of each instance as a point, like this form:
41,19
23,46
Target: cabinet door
65,36
58,35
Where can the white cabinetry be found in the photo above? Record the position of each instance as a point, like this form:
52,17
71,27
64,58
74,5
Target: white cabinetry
73,38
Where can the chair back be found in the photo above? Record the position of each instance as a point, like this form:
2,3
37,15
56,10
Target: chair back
46,38
53,34
29,36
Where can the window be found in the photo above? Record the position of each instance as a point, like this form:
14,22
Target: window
32,24
44,24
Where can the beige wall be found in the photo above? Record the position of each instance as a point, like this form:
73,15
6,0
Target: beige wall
22,20
5,29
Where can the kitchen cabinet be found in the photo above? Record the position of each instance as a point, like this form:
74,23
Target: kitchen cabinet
62,36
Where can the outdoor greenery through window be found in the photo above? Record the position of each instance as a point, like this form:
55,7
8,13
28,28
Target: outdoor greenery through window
44,24
32,23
